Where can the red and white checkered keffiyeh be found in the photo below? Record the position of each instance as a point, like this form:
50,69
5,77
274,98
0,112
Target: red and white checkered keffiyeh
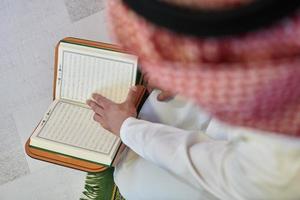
250,80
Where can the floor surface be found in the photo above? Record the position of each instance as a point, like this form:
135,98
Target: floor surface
29,31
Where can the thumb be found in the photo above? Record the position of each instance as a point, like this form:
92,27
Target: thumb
165,96
132,95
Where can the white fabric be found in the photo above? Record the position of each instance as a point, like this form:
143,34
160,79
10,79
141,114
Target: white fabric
225,162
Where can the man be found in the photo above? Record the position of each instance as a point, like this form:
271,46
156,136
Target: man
239,60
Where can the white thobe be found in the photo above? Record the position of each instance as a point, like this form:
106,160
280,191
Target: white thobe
177,152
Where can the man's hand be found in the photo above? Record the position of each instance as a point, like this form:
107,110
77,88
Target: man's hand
165,96
111,115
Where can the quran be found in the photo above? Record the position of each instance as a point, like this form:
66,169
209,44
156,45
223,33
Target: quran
67,129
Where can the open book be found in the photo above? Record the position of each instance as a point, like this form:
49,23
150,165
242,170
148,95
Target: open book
67,127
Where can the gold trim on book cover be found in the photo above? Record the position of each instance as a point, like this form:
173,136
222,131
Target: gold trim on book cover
63,160
66,155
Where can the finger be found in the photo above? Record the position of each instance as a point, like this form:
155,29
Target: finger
100,120
100,100
165,96
95,107
132,95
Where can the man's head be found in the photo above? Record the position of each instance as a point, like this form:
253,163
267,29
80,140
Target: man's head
250,78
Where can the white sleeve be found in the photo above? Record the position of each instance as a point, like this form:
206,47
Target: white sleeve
236,169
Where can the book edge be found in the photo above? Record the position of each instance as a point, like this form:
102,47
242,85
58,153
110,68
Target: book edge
81,41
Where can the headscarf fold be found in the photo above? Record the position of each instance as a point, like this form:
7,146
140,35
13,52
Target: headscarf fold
252,79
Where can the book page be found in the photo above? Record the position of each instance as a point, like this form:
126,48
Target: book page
73,125
85,70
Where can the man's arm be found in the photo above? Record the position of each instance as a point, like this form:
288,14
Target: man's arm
242,168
